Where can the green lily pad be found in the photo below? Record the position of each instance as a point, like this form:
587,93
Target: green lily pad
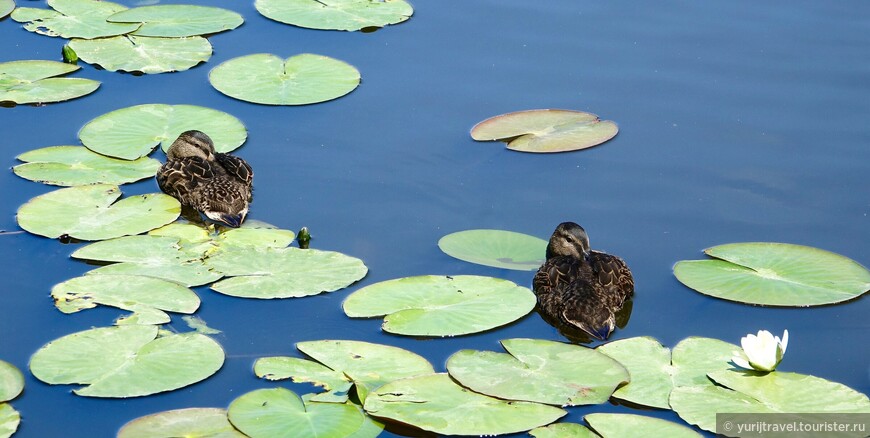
91,213
434,305
279,412
11,381
190,422
775,392
654,372
298,80
33,82
563,430
127,361
77,166
144,54
128,292
434,403
496,248
347,15
178,20
283,272
775,274
74,19
135,131
299,370
9,419
539,371
6,6
630,425
546,130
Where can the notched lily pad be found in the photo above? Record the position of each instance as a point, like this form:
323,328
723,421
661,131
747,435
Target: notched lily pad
178,20
190,422
630,425
77,166
91,213
74,19
336,384
133,132
546,130
434,305
775,274
496,248
35,82
347,15
298,80
144,54
127,361
279,412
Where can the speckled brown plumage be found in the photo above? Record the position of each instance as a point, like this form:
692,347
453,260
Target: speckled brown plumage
580,287
216,185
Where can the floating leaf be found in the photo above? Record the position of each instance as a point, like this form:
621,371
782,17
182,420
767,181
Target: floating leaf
33,82
775,274
178,20
546,130
434,403
563,430
191,422
91,213
128,292
283,272
441,305
298,80
198,325
336,14
654,373
74,19
334,382
143,54
775,392
279,412
76,166
9,419
6,6
11,381
135,131
630,425
539,371
497,248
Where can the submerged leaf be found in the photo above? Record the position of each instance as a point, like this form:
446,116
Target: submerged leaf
11,381
190,422
775,274
298,80
178,20
76,166
91,213
496,248
33,82
546,130
279,412
336,14
143,54
74,19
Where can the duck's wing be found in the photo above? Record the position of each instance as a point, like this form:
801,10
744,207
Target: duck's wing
591,316
612,273
178,178
236,168
556,273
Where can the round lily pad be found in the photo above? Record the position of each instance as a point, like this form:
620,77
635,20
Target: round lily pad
630,425
11,381
34,82
539,371
435,403
546,130
298,80
279,412
434,305
143,54
283,272
74,19
135,131
77,166
9,420
6,6
775,392
178,20
336,14
563,430
496,248
127,361
128,292
775,274
91,213
190,422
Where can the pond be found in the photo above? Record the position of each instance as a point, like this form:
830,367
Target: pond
738,123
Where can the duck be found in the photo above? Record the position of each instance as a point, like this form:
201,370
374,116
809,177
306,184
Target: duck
217,185
581,288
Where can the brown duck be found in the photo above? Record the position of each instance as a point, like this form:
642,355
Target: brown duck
580,287
216,185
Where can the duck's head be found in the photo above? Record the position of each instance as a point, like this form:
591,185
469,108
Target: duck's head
569,239
191,144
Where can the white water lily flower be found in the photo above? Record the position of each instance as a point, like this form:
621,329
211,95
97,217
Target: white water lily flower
762,352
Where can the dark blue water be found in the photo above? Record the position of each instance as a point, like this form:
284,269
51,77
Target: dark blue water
739,122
